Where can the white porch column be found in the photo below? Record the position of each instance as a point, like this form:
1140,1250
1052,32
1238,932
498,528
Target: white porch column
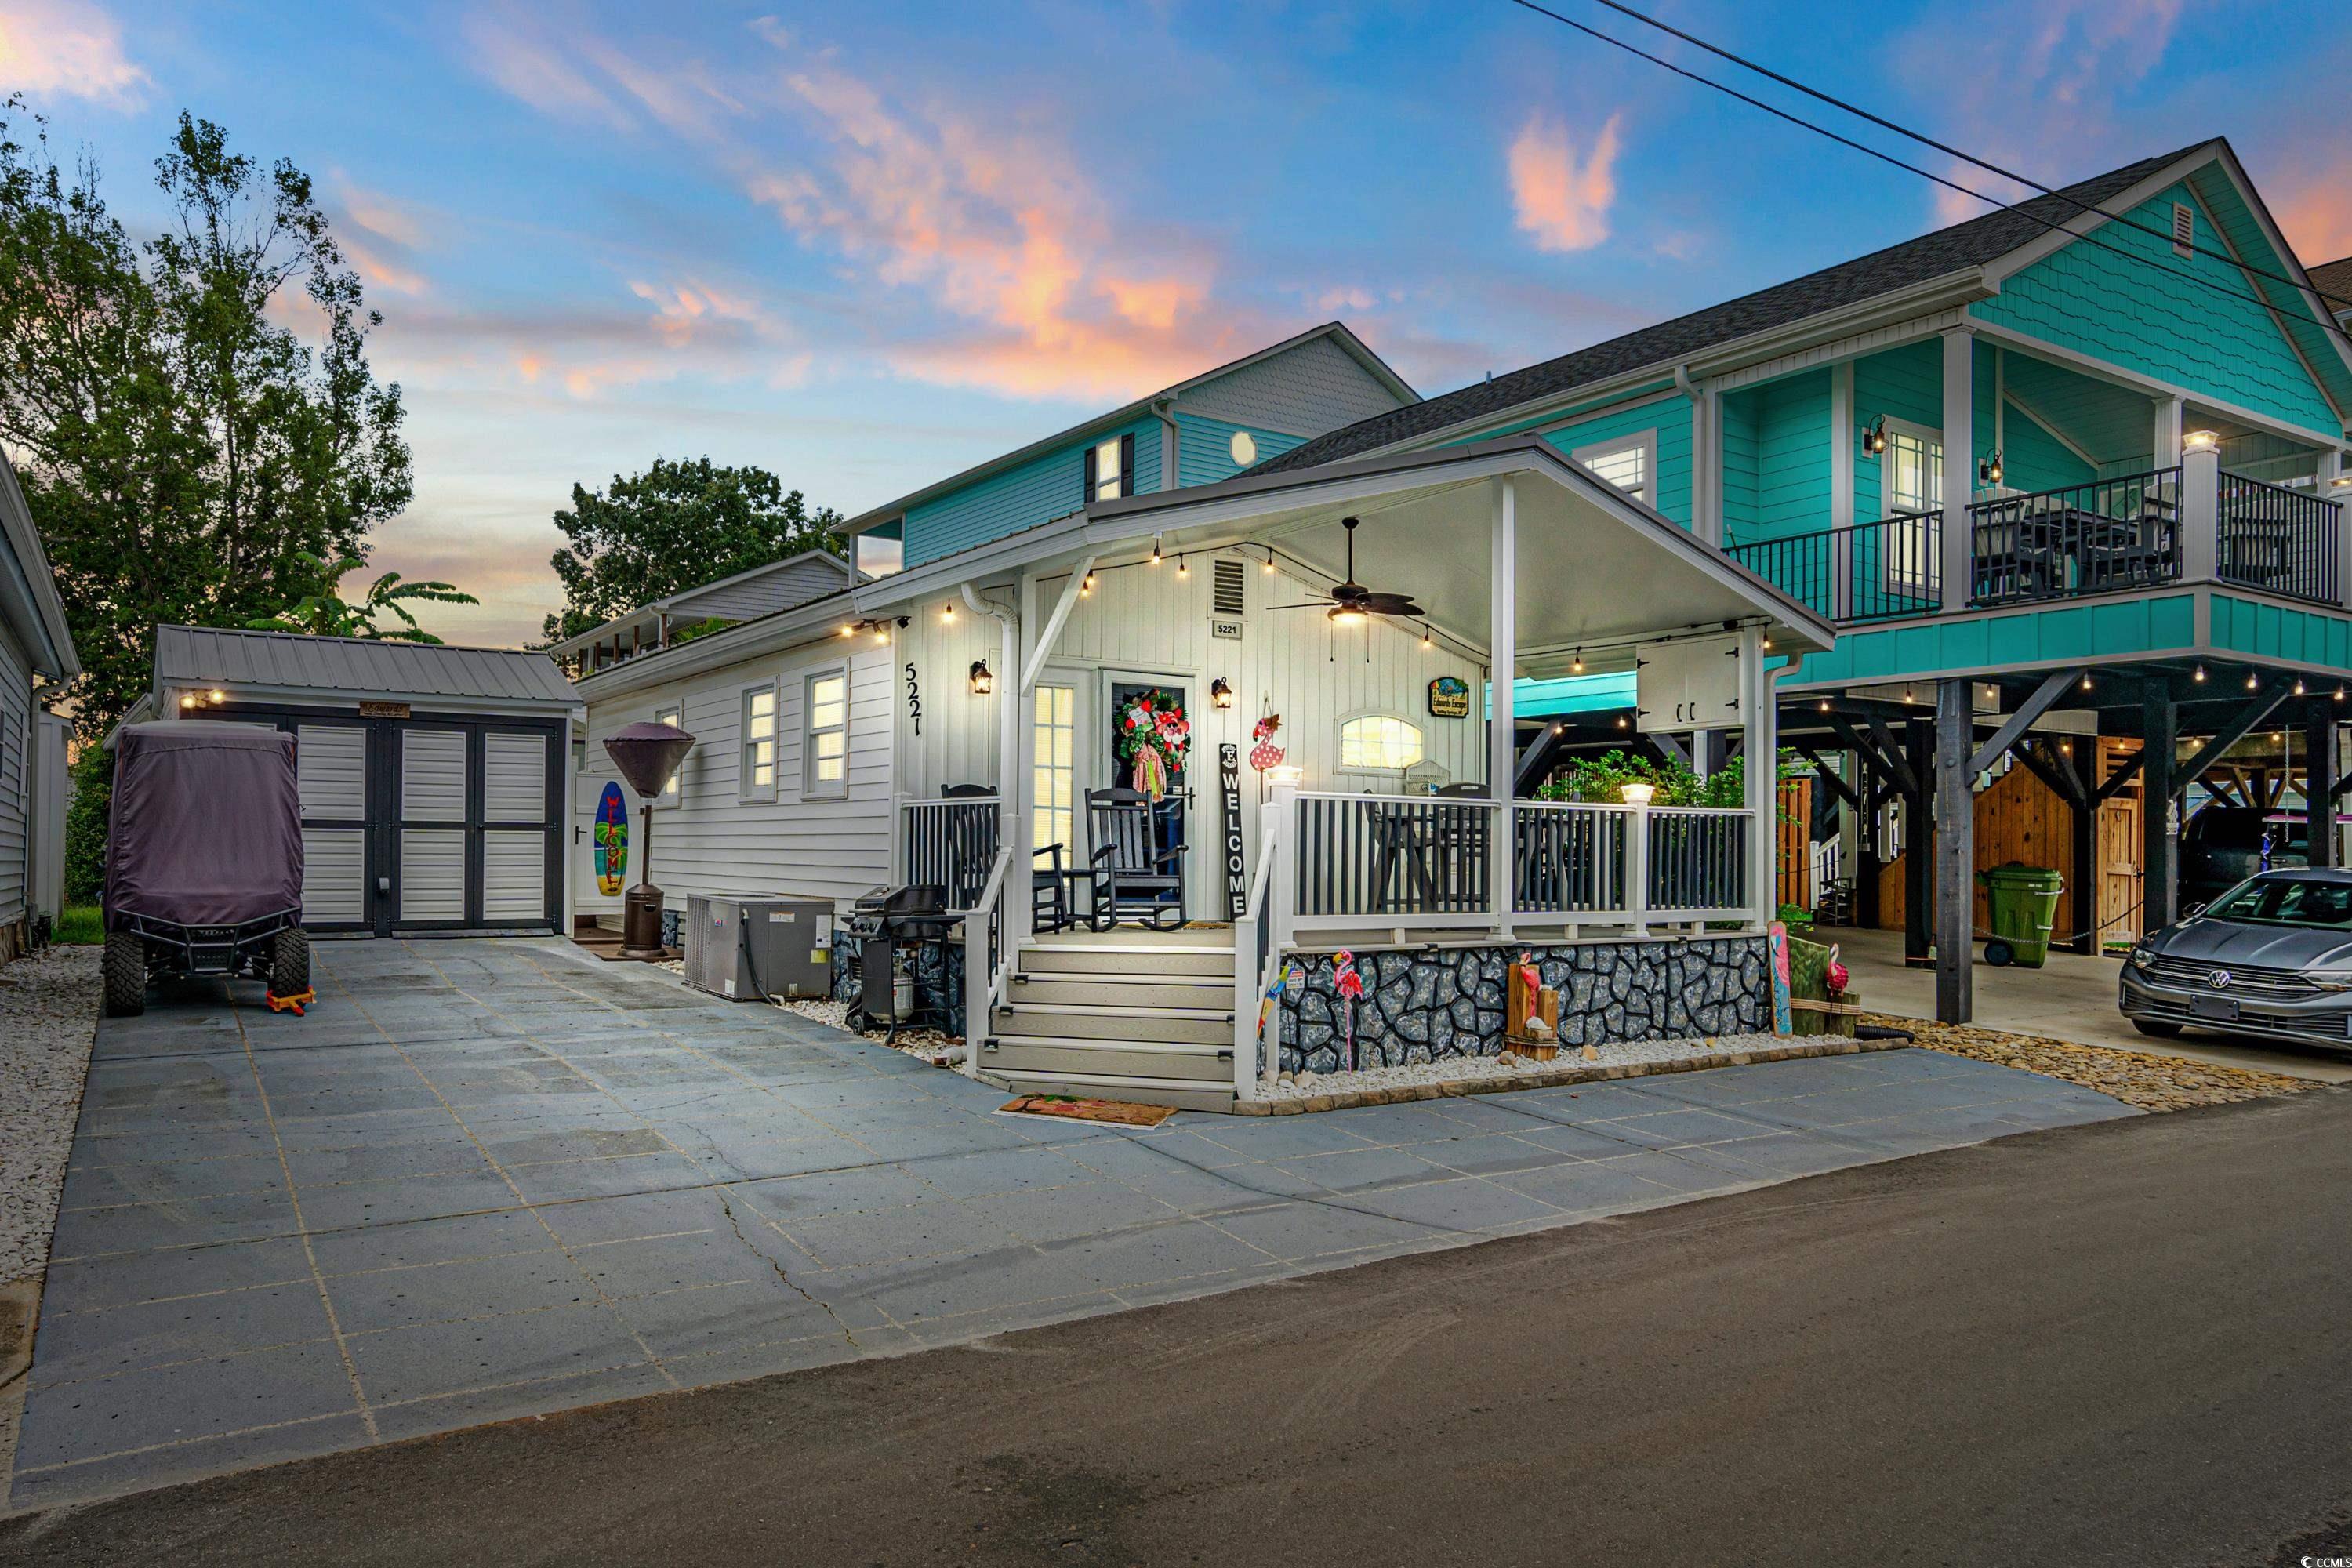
1020,788
1503,660
2201,511
2164,443
1959,464
1760,726
1707,464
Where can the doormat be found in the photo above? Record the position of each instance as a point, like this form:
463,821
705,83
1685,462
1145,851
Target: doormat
1126,1113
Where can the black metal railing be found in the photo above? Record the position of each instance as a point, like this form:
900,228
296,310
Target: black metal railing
1391,856
1571,859
1865,572
2122,532
1698,860
2277,540
952,843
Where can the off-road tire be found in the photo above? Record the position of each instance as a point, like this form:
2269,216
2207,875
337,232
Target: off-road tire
2161,1028
289,962
125,969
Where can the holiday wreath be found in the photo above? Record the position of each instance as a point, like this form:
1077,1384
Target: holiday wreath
1154,737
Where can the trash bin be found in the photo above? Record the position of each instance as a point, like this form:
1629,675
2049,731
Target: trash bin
2024,901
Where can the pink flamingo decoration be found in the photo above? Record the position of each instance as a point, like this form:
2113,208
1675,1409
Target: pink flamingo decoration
1351,987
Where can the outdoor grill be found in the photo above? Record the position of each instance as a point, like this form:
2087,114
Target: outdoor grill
887,921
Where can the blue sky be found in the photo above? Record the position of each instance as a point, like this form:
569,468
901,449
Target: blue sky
866,246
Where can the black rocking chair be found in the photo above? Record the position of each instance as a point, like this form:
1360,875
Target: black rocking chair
1133,878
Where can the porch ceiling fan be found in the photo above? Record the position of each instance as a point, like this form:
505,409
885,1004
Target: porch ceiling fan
1350,601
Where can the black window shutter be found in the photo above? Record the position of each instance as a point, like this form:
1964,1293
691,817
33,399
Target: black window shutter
1086,497
1126,464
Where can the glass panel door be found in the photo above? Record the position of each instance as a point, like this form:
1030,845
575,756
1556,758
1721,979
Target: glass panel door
1054,782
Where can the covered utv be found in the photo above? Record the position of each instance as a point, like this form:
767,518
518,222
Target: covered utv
203,859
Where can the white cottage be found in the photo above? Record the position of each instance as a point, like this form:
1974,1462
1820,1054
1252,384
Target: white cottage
36,654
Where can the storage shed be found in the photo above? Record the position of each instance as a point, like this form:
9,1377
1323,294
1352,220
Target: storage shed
433,778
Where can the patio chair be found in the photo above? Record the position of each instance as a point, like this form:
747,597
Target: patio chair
1132,877
1049,890
971,842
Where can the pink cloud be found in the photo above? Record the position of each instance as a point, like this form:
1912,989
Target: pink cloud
69,47
2316,216
1562,199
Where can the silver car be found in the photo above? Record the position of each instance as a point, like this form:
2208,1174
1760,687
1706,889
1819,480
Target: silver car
2272,957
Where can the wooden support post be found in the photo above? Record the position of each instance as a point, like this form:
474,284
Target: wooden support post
1918,843
1866,844
1956,852
2159,861
2320,777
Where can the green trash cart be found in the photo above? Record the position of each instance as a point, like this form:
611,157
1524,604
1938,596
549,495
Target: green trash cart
2024,901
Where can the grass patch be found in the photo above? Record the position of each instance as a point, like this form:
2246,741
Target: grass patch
79,925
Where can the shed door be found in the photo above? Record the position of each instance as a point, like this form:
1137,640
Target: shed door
470,827
331,764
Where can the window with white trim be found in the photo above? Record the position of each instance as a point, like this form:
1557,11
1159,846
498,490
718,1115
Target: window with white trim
1629,462
825,728
1055,780
1378,742
1912,480
756,745
674,717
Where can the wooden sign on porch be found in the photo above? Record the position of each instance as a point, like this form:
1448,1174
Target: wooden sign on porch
1229,779
1449,698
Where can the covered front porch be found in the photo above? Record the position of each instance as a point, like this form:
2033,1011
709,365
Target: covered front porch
1380,829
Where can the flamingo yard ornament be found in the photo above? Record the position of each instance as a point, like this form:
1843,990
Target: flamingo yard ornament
1351,987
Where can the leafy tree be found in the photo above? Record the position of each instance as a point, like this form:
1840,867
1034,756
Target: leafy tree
188,457
674,526
329,615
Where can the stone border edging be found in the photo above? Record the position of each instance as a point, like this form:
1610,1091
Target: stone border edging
1837,1046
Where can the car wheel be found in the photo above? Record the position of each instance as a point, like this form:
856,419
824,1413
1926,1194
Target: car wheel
289,962
2156,1026
125,971
1998,953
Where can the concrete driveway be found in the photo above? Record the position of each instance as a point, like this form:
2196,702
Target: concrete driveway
492,1179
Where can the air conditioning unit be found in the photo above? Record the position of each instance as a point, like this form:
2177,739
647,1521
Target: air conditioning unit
753,948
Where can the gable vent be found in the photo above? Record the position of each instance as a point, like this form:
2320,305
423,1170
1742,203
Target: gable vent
1232,588
2184,229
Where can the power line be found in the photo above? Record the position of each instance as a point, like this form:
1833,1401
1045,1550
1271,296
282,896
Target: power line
2325,322
1925,140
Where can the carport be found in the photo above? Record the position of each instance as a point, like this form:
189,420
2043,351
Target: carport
433,778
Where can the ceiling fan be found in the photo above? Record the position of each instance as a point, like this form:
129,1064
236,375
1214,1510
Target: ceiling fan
1350,601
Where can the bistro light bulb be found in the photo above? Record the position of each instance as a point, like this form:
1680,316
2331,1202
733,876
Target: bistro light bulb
1426,641
2200,673
1183,566
1155,550
881,636
849,631
1620,720
1576,666
2339,694
2250,681
946,612
2086,683
2298,688
188,699
218,695
1268,567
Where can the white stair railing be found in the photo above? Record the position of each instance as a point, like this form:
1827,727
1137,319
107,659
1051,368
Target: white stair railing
1255,953
987,962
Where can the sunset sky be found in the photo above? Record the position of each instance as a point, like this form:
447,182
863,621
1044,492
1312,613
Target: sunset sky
865,246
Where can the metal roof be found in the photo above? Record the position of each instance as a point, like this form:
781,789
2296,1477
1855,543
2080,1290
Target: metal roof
358,667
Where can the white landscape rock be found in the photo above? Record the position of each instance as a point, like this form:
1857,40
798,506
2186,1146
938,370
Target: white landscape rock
49,1016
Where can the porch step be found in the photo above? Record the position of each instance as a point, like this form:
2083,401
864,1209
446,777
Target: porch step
1125,991
1130,959
1183,1094
1190,1026
1109,1060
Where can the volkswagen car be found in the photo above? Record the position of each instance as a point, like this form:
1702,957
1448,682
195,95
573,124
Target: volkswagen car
2271,957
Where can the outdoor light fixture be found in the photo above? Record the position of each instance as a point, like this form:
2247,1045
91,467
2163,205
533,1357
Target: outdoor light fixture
1183,566
983,680
1576,666
1874,437
1427,641
1289,773
1637,794
2250,681
1620,720
1268,567
2340,482
1087,586
2339,694
2298,688
1221,694
2201,441
1155,550
849,631
1988,472
216,695
946,611
1345,615
2086,683
187,700
2201,673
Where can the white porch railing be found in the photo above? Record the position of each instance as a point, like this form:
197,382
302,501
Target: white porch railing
950,842
987,960
1417,863
1257,950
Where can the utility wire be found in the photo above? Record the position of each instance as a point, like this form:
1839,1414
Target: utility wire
1925,140
2327,323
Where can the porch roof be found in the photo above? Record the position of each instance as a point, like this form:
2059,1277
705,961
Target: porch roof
1596,570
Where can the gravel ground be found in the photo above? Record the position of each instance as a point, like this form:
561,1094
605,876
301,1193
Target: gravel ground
1479,1069
2136,1077
940,1050
48,1015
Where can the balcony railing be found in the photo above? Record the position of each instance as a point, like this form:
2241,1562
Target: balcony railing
1868,571
950,842
2277,540
2082,539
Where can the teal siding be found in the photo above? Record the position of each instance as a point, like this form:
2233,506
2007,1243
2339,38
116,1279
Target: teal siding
2160,324
1905,384
1036,491
1670,417
2033,459
1741,435
2094,629
1793,456
2274,631
1204,447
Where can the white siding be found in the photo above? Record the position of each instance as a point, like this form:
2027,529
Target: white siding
433,775
514,872
16,778
431,874
334,863
514,777
330,768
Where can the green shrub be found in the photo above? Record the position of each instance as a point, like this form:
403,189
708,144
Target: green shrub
78,926
94,790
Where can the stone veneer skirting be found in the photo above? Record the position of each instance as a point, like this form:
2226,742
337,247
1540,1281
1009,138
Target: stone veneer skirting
1425,1005
938,975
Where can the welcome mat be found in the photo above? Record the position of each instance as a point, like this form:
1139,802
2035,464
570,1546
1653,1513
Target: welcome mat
1126,1113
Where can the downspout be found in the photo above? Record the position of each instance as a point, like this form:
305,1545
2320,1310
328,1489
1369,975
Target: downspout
1171,441
1706,510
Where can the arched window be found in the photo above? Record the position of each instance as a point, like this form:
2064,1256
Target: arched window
1378,742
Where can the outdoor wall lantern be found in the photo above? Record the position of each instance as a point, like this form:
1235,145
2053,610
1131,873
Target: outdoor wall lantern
1988,472
1221,694
1637,794
2201,441
983,680
1874,437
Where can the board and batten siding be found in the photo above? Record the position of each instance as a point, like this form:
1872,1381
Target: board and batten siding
711,840
16,778
1039,490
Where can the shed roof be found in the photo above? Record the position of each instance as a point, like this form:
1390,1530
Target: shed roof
356,667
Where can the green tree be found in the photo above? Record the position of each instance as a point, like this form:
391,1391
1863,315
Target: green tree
187,456
674,526
329,614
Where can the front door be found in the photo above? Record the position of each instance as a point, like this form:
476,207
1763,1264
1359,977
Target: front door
1127,692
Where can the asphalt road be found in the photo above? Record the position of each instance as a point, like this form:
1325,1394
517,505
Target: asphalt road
2126,1343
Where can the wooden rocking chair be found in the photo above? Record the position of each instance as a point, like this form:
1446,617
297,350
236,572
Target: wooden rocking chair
1133,877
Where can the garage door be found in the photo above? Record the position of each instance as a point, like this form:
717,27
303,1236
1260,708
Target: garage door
428,824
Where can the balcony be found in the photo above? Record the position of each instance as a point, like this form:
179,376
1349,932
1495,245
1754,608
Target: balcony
2124,534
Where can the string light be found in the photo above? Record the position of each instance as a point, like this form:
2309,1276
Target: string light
1268,567
2086,683
2201,674
2298,688
1577,666
2250,681
1155,550
1425,640
946,611
1183,566
848,631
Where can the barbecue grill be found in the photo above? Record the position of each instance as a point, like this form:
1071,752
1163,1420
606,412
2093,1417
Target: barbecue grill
887,923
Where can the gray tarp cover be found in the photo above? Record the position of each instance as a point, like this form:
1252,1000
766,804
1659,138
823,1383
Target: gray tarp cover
206,827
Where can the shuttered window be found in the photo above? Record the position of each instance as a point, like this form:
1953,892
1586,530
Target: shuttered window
1110,468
